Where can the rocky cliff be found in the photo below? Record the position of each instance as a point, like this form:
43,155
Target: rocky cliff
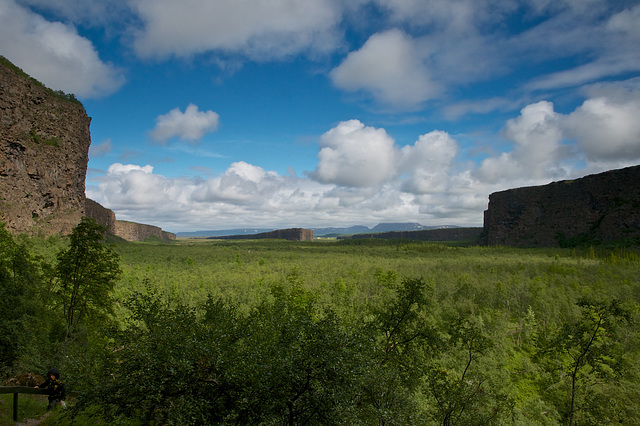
129,231
44,139
597,208
132,231
102,215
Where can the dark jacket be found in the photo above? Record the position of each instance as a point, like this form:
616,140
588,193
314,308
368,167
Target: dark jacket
54,388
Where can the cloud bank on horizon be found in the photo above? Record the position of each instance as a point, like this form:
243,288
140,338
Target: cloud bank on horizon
281,113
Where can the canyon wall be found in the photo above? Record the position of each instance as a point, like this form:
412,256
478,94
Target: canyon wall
129,231
44,140
102,215
595,209
132,231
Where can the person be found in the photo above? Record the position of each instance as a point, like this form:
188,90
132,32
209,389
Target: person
54,388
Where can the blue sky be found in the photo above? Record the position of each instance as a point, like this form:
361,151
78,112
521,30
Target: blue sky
218,114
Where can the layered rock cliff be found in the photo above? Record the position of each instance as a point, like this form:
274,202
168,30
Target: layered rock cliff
102,215
598,208
44,140
130,231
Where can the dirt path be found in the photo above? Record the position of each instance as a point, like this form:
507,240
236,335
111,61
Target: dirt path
33,422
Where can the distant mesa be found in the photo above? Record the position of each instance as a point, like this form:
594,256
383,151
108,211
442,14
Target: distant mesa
292,234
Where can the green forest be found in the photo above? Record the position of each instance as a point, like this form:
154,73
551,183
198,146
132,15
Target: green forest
358,332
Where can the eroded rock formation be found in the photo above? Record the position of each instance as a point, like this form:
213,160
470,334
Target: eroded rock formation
597,208
44,140
132,231
102,215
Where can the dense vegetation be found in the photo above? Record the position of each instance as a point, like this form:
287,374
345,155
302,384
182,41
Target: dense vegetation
352,332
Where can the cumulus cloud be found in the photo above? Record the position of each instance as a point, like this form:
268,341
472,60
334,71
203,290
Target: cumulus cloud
428,163
364,177
602,133
537,135
190,126
352,154
607,129
390,67
130,186
55,53
263,30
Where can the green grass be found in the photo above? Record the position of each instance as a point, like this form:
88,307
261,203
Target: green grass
355,273
29,407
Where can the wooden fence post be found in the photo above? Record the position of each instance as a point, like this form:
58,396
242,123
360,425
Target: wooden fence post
15,407
15,390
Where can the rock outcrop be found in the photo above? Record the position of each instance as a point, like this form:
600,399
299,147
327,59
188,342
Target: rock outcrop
44,140
102,215
132,231
598,208
292,234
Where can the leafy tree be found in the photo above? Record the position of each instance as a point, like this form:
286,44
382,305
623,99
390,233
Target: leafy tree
403,322
86,273
19,286
589,346
461,389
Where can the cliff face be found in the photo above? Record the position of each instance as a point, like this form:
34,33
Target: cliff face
599,208
44,140
102,215
129,231
132,231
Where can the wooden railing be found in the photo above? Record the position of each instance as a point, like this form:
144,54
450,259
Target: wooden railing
15,390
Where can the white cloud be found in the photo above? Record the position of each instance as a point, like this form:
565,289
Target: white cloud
354,155
537,152
190,126
55,54
603,133
428,163
607,129
363,177
136,188
604,43
390,67
263,30
91,12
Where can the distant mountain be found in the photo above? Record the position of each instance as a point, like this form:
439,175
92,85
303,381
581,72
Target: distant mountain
320,232
328,232
224,232
388,227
